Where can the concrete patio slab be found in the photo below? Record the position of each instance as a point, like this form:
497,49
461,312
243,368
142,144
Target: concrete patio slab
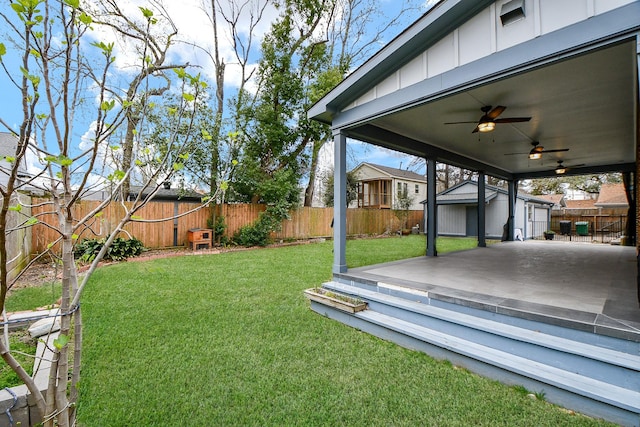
593,283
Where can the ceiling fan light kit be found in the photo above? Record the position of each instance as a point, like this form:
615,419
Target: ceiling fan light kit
535,155
486,126
489,119
561,170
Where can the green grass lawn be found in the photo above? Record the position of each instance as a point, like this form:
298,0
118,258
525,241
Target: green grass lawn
229,339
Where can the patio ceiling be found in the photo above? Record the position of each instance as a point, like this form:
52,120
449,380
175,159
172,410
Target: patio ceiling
586,103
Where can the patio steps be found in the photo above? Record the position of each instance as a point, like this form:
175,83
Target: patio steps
596,377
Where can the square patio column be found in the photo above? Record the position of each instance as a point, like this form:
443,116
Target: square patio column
432,209
482,241
512,210
339,202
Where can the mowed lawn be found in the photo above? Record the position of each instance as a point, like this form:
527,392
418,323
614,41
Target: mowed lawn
229,340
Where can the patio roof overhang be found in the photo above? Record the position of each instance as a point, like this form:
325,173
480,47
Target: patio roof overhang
579,84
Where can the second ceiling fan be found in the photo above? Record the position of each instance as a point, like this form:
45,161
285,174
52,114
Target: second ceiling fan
537,150
489,119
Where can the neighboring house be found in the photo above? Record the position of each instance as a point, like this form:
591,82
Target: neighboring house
559,201
165,193
581,204
612,196
8,145
378,186
458,212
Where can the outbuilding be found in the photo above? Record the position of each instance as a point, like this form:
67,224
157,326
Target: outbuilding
458,212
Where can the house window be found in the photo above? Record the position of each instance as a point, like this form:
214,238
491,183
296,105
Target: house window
417,190
529,212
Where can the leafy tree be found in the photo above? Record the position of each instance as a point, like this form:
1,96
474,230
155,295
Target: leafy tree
276,130
546,186
354,29
352,188
586,183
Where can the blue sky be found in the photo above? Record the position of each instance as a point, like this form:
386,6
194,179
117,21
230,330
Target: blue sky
194,28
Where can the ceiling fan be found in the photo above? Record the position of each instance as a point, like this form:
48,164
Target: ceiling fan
562,169
489,119
537,150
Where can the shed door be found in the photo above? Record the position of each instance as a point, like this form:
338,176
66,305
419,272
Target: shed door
472,221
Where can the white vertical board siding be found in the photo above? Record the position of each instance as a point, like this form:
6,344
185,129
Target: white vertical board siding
556,14
474,39
484,35
452,220
388,85
441,57
497,215
520,215
413,72
602,6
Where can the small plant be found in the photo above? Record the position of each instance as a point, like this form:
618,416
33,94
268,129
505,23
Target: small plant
335,295
540,395
120,249
219,228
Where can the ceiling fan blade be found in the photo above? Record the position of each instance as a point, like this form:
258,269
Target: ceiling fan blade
515,154
460,123
559,150
476,129
496,112
513,120
575,166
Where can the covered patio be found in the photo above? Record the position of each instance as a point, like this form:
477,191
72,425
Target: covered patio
513,89
583,286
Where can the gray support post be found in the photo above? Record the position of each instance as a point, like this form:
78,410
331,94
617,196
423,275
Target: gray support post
482,241
432,209
339,202
512,211
637,175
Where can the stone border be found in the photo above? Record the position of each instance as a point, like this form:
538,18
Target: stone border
23,408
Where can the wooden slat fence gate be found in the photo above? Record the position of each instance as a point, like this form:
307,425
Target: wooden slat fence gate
165,224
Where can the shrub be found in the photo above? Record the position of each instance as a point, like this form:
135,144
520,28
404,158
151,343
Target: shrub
252,235
259,233
120,249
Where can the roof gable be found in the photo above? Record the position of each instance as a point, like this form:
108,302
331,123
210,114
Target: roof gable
392,172
612,195
430,28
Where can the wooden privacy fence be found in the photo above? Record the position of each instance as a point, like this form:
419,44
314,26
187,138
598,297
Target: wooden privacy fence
304,223
172,232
